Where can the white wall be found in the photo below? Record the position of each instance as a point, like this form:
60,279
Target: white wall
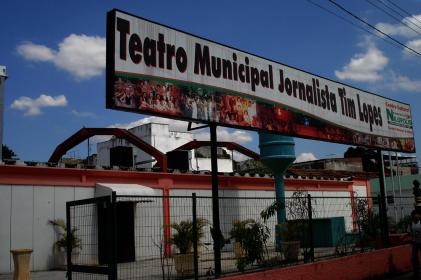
165,140
103,150
160,137
25,211
103,153
149,228
224,165
155,134
325,204
360,191
5,221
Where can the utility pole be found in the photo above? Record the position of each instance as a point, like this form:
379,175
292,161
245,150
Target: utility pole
3,77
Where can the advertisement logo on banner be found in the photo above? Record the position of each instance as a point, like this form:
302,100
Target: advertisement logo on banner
157,70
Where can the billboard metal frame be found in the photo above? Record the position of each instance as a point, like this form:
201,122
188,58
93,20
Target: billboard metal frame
110,74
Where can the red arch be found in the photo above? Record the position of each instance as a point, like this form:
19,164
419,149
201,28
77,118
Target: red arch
229,145
86,133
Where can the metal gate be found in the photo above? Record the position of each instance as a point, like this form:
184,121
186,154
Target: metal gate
128,237
90,239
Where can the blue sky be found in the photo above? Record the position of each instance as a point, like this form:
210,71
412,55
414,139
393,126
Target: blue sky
55,58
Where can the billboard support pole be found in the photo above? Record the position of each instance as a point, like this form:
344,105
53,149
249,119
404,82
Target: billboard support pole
215,201
382,202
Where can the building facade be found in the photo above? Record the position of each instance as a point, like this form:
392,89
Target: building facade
31,196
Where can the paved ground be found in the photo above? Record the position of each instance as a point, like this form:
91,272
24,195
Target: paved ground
61,275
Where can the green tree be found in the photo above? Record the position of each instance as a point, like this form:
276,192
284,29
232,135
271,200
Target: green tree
7,152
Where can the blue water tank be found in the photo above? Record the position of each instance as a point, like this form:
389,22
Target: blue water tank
277,152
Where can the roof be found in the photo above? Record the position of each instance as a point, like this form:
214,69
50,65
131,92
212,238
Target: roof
330,173
103,189
342,159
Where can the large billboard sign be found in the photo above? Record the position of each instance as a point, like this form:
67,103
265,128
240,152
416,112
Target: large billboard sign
154,69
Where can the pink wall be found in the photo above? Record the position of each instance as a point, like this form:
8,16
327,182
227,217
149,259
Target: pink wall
46,176
360,266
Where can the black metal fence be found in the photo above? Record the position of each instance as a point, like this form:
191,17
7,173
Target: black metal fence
158,237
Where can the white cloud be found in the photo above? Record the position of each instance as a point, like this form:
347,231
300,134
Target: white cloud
403,83
364,67
33,106
174,125
223,134
35,52
415,45
305,157
401,29
83,114
81,55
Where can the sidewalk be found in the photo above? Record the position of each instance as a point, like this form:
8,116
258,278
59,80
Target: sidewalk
40,275
406,276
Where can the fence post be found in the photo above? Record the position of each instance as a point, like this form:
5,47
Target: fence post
113,236
310,227
195,253
68,242
383,222
382,200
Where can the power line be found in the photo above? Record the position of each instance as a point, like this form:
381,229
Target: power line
373,27
392,9
392,16
403,10
400,14
352,23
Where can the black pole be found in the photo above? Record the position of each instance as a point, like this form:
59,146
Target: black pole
114,222
382,202
68,242
310,227
215,201
195,253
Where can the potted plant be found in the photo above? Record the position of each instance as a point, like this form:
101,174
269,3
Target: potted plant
237,233
183,240
61,243
289,234
250,238
368,225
